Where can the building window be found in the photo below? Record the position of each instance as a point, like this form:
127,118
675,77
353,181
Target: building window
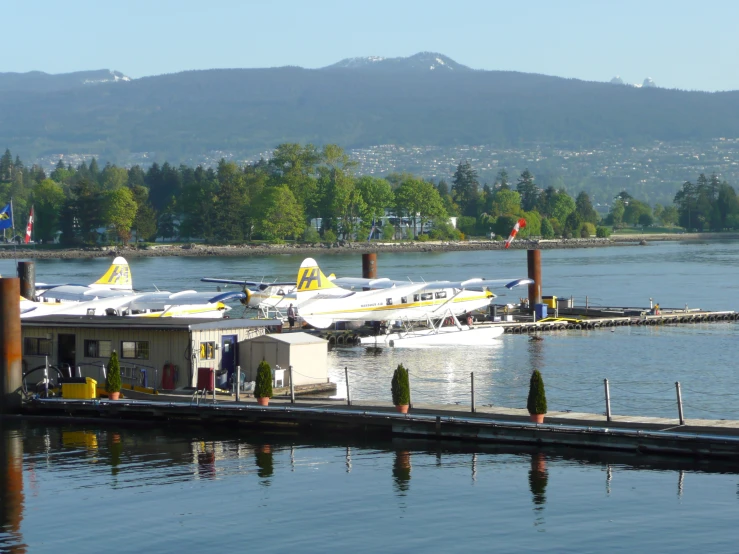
33,346
97,348
207,350
135,350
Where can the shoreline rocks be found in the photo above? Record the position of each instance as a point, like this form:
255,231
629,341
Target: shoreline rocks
205,250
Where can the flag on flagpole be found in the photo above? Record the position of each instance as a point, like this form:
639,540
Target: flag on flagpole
29,226
6,217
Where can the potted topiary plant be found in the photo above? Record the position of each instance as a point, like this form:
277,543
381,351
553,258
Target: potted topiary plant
113,377
263,385
537,401
401,389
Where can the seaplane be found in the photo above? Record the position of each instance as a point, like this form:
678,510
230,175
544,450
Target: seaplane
113,294
437,304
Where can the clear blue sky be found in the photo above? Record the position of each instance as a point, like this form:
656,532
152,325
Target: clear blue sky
680,44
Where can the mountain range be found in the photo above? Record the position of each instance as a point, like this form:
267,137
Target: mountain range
425,99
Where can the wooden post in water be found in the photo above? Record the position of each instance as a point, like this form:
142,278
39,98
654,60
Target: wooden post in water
11,358
369,265
608,399
679,403
27,275
348,391
533,258
472,390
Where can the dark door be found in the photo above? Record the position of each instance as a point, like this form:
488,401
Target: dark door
66,352
229,357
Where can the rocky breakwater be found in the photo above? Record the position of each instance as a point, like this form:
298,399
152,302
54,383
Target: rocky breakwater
204,250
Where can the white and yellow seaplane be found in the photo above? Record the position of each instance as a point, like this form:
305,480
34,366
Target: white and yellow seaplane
321,303
113,294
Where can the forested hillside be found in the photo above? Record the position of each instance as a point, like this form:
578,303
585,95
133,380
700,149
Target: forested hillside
179,116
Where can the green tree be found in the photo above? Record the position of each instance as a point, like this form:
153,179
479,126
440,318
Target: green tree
282,215
400,387
505,201
120,211
536,402
113,376
584,207
48,199
465,188
419,201
528,190
145,222
263,382
230,203
547,231
501,180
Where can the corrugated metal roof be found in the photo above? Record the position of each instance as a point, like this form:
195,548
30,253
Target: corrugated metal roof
293,338
161,323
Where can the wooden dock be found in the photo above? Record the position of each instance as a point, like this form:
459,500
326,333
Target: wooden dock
697,438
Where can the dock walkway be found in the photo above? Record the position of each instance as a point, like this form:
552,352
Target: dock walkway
702,438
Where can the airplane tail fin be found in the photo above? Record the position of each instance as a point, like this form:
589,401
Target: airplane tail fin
311,278
118,276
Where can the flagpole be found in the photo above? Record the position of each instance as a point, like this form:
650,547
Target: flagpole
12,236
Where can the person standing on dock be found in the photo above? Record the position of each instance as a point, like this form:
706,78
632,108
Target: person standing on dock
656,309
291,316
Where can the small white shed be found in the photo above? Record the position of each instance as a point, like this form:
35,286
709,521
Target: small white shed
307,354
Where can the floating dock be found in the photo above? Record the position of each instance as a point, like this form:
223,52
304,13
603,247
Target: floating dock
697,438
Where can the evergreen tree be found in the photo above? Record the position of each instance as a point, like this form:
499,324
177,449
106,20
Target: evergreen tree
465,188
585,208
6,166
528,190
501,181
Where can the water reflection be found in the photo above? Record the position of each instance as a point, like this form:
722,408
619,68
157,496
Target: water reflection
11,491
538,479
402,472
265,463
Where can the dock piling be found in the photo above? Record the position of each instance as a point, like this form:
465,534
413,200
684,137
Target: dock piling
608,399
369,265
11,359
27,275
533,257
348,391
679,403
472,390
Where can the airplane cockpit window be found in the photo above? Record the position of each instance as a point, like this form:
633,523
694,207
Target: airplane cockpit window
441,294
389,301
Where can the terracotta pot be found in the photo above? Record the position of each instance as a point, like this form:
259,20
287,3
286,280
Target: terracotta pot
114,395
402,408
537,418
263,400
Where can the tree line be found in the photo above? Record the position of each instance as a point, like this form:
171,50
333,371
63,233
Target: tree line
307,193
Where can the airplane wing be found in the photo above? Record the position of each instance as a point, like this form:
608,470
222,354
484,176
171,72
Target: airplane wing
80,293
159,300
479,284
262,285
362,283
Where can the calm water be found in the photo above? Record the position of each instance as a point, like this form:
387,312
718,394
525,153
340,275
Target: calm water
641,363
86,489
